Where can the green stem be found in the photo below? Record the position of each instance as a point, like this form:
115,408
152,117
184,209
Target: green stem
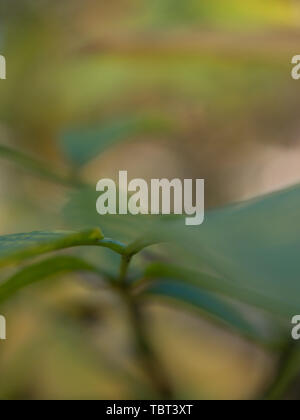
113,245
125,262
148,360
139,245
287,372
128,252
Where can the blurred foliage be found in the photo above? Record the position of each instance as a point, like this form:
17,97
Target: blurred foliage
166,88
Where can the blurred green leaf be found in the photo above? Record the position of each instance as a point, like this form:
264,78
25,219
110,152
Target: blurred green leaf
204,280
251,249
82,144
254,248
80,212
36,167
22,246
207,303
41,271
209,281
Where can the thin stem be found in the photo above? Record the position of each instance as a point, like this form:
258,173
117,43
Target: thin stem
139,245
287,371
124,269
146,356
113,245
127,252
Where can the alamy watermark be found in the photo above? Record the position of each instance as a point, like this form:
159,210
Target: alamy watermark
160,196
2,328
296,328
2,67
296,69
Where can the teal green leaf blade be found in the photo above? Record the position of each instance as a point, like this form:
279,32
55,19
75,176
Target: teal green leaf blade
254,248
208,304
208,281
83,144
139,231
41,271
205,280
81,211
22,246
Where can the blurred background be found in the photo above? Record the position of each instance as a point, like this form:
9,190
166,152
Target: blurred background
168,88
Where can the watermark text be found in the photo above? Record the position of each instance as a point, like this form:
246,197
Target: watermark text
2,328
296,328
160,196
2,67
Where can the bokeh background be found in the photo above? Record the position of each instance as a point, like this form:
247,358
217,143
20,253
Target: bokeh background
168,88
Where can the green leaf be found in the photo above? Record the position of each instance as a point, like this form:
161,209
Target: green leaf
203,279
22,246
253,247
42,271
82,144
208,281
250,249
140,230
179,286
80,211
36,167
